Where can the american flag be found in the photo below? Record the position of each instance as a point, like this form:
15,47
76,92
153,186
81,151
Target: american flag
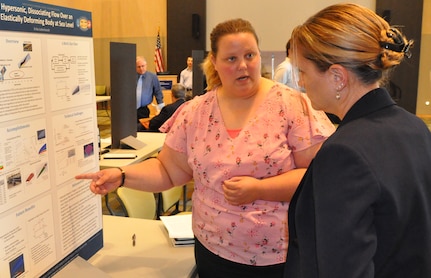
158,58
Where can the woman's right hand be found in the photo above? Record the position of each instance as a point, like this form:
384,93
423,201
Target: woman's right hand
103,181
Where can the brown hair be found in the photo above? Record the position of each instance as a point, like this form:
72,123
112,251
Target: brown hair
352,36
222,29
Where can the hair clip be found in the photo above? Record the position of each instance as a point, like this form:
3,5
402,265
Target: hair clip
405,48
399,45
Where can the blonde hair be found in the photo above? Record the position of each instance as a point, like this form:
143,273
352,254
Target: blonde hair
352,36
232,26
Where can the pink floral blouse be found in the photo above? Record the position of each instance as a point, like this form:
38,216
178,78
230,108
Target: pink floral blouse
255,233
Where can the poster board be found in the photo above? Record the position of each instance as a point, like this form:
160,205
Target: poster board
48,134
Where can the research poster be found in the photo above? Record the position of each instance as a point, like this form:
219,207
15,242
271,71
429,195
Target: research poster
48,134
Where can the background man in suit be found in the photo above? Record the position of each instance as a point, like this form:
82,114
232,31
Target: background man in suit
148,86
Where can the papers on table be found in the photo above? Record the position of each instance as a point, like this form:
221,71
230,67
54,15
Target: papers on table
178,242
179,228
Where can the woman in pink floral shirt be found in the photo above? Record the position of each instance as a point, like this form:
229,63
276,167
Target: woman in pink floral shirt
246,143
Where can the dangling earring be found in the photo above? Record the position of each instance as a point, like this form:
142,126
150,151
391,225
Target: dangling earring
339,88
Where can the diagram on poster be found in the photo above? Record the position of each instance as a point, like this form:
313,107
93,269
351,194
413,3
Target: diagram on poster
21,87
24,162
74,144
69,70
27,243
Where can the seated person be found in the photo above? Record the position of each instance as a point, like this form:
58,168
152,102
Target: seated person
153,124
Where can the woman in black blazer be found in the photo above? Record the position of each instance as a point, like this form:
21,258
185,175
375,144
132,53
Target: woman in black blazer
363,208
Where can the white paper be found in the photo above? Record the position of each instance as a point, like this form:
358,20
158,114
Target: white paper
178,226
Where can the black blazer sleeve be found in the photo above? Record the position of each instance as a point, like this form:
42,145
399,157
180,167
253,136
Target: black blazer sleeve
166,112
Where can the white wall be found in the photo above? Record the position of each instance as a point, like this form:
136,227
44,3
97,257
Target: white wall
273,20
